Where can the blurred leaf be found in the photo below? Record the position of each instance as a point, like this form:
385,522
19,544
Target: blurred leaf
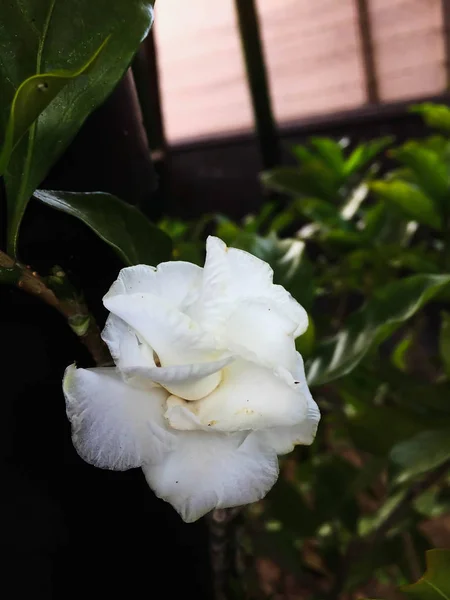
381,226
364,154
132,236
423,398
435,584
422,453
444,341
285,504
32,98
399,356
311,179
429,170
302,153
434,115
369,432
410,199
330,152
306,343
322,213
387,309
40,36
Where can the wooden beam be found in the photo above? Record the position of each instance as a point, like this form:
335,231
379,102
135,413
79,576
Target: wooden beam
446,34
368,53
257,79
146,78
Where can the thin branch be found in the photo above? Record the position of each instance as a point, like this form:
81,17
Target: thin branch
224,550
72,308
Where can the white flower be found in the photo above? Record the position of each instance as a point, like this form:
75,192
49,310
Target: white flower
208,388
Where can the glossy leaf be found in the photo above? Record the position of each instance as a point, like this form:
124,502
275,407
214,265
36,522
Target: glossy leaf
423,452
410,199
387,309
435,583
41,36
32,98
132,236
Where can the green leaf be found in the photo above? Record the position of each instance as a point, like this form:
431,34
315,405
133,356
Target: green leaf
434,115
32,98
399,356
389,307
430,171
132,236
330,152
444,342
42,36
435,584
306,343
365,425
310,179
423,452
363,154
409,198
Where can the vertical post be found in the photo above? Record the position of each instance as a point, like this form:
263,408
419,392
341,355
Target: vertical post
367,48
145,74
257,78
446,34
146,79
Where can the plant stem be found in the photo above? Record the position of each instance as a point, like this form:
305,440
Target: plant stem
73,309
224,551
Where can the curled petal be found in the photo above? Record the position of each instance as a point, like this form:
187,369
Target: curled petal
250,397
127,350
283,439
176,283
114,425
232,276
213,470
191,382
257,330
176,338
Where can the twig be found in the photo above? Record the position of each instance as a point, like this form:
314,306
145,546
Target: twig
73,309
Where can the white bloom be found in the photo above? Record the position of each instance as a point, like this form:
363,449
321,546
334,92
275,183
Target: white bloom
208,387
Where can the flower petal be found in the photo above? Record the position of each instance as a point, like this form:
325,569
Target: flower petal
213,470
257,330
191,382
175,338
176,282
283,439
114,425
127,350
232,276
249,397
